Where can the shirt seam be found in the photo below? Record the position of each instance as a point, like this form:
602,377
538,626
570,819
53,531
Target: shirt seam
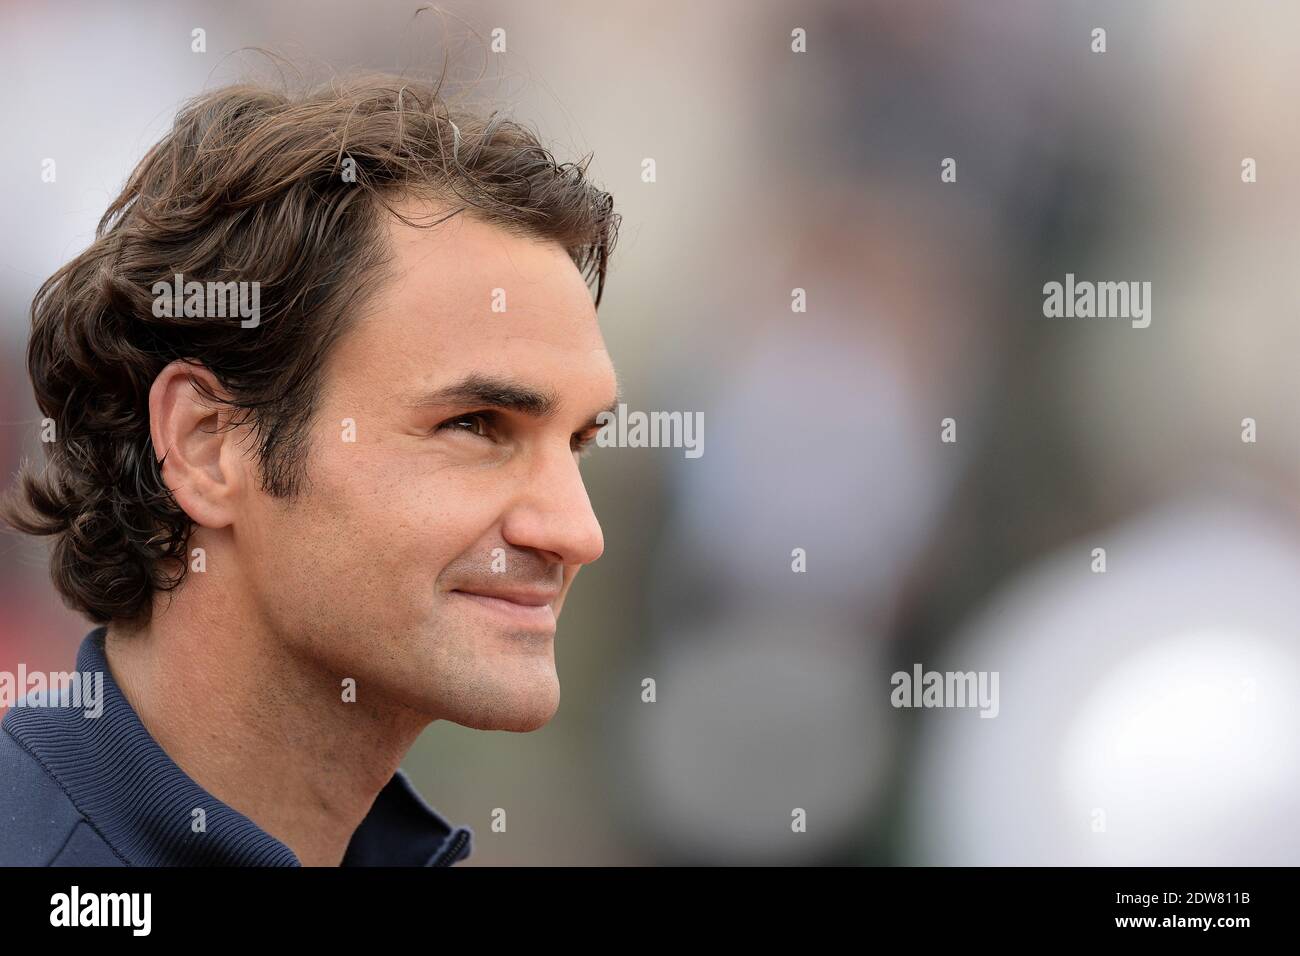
71,799
68,839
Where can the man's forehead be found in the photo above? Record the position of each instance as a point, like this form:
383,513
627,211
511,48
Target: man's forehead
504,307
485,283
439,237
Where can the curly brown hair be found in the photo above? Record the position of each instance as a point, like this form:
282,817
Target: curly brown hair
251,182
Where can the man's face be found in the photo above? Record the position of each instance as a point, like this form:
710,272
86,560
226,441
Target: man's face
435,541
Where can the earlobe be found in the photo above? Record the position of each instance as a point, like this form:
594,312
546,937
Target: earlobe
189,436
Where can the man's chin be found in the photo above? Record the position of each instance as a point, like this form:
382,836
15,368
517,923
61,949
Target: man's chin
520,709
520,724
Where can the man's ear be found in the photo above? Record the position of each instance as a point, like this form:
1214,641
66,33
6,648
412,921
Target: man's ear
201,462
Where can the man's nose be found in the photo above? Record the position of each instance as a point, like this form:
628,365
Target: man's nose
553,512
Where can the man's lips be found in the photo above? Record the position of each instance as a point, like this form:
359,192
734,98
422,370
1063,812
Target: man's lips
522,607
532,597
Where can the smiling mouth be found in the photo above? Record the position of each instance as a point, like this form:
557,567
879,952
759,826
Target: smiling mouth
530,611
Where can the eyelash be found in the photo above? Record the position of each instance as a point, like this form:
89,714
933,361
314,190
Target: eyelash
486,417
581,447
584,446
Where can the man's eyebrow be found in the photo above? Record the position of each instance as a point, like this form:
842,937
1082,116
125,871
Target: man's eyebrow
487,391
490,392
611,409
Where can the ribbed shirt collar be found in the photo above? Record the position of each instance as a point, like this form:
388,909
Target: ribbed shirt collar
143,804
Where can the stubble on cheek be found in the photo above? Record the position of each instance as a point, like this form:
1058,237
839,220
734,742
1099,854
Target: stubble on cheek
317,579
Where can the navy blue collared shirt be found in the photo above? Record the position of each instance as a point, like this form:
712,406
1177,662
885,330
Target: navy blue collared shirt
79,789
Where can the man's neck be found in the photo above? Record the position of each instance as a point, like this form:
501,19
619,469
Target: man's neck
262,729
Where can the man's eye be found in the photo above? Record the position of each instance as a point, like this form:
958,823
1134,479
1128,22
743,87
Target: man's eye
476,423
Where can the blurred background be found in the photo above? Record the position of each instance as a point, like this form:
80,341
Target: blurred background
1147,715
